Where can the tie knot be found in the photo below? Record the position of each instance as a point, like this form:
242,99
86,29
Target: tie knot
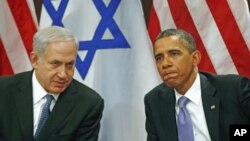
49,98
183,101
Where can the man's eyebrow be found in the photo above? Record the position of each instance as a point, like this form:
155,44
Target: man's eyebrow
158,53
172,50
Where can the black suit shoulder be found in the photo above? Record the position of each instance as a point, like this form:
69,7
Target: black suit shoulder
11,81
232,90
159,88
227,83
85,97
158,91
85,91
225,79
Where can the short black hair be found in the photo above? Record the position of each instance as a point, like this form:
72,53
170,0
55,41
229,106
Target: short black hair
185,36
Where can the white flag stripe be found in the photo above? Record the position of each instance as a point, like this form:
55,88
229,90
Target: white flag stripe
32,11
12,41
215,46
239,10
164,14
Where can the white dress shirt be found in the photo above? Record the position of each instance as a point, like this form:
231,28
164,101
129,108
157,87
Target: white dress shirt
39,100
196,111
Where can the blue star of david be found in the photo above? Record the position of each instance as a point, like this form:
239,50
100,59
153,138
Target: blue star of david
97,43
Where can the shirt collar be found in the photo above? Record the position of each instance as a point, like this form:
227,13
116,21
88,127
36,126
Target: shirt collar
194,92
38,91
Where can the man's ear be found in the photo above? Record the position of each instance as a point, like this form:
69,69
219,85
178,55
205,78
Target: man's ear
196,57
34,59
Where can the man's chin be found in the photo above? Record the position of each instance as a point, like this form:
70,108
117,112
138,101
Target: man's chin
57,90
170,84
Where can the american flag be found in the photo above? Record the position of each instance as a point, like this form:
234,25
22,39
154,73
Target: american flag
18,25
220,28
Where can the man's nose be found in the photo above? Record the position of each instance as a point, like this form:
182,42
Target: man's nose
62,72
167,62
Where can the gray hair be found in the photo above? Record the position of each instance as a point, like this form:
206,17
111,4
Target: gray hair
51,34
183,35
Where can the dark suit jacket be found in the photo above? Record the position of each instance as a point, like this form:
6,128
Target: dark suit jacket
230,94
75,117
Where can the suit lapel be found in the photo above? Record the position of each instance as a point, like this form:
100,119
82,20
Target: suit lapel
167,111
23,99
61,110
211,107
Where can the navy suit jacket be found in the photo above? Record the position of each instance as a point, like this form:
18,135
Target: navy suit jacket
75,117
228,95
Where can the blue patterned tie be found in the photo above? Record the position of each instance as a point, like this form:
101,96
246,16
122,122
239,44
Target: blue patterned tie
184,124
44,115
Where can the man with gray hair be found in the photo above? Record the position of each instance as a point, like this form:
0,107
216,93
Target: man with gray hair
47,104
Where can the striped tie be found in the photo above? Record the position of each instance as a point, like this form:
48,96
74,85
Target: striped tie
44,115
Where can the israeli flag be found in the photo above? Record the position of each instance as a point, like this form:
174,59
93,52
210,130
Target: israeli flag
115,58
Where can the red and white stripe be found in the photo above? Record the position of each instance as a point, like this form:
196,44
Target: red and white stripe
16,32
220,28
